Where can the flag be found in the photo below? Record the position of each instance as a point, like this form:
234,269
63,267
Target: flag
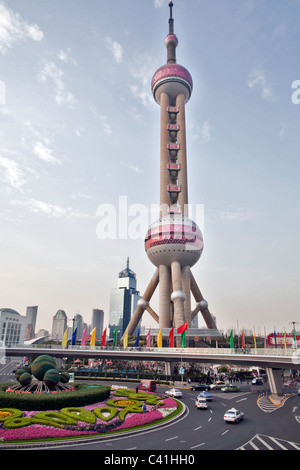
243,339
183,339
254,338
231,339
136,343
275,340
182,328
125,339
171,338
284,338
149,338
93,338
103,338
65,338
83,337
74,337
159,339
115,338
295,339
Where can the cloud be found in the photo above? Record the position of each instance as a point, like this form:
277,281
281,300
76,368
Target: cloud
115,48
159,3
11,173
13,29
44,153
50,210
258,79
56,75
65,56
105,125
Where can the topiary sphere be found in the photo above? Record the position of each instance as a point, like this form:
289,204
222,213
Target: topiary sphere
22,370
64,377
41,365
51,377
25,379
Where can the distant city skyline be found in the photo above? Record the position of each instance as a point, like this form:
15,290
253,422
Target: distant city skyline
79,132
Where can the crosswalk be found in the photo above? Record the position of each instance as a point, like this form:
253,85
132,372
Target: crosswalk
262,442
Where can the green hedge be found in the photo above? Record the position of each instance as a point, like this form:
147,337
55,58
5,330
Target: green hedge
84,395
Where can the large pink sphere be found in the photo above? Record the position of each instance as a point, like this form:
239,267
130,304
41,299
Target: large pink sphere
174,238
172,79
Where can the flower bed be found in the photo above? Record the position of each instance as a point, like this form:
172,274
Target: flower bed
124,409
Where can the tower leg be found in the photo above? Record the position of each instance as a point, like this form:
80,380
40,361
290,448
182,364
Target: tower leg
186,287
203,308
164,297
143,303
177,297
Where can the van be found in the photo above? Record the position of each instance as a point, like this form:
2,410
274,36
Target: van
201,403
149,385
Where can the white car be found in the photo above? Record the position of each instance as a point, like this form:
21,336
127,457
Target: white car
201,403
174,392
233,416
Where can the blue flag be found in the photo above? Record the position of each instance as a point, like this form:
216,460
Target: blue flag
275,340
74,337
136,344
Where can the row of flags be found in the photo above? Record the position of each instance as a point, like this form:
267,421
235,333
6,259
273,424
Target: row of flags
181,330
265,339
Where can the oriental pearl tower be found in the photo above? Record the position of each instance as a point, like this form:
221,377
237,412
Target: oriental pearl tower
174,242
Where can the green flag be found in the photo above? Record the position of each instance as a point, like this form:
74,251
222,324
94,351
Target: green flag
231,339
295,340
115,338
183,340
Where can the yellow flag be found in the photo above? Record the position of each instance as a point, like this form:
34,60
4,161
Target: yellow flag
254,338
159,339
93,338
65,338
125,339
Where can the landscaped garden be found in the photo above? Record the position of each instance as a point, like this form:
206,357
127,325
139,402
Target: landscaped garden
50,409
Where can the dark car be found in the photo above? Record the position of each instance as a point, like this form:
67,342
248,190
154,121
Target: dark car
201,387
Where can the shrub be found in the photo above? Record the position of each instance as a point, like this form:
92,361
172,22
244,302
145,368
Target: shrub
82,396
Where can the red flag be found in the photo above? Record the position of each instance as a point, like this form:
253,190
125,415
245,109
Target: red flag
171,338
243,340
103,338
182,328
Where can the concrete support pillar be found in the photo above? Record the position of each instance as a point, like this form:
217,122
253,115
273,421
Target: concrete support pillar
165,201
210,323
169,368
164,297
177,297
182,155
186,287
275,382
143,303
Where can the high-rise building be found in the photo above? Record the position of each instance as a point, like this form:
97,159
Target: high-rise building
97,322
123,301
31,314
12,327
173,243
78,323
59,325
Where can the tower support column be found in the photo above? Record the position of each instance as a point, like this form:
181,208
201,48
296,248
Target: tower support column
181,138
164,297
164,154
186,287
177,295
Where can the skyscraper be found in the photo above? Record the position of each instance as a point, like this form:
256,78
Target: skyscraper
173,243
97,322
59,325
31,314
123,301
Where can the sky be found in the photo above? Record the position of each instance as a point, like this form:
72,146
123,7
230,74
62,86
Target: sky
79,139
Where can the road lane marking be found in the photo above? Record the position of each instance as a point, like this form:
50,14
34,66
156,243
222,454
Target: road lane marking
227,430
198,445
199,427
171,438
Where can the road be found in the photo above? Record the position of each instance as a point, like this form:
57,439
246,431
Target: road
264,427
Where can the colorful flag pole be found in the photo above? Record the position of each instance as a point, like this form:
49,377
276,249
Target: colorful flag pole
171,338
149,338
159,339
243,339
181,330
137,339
83,338
275,339
231,339
65,338
295,339
284,338
125,339
115,338
103,338
74,337
93,338
254,338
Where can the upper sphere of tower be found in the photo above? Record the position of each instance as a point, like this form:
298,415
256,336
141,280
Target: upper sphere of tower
172,79
171,39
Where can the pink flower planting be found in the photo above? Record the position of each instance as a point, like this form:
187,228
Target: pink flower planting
129,420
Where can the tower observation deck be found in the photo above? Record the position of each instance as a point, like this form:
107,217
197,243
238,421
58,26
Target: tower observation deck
173,243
